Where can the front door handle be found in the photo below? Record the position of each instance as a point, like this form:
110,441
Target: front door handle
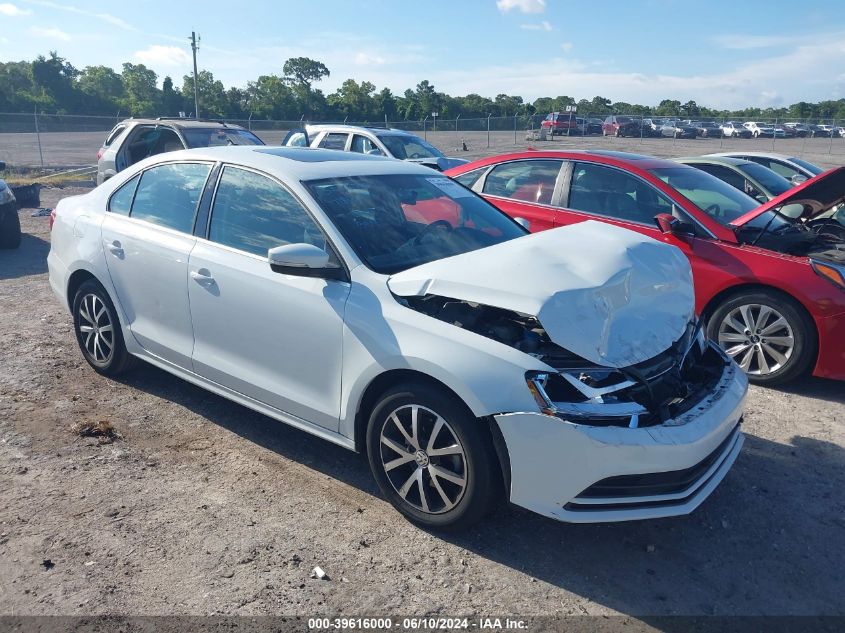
115,248
202,277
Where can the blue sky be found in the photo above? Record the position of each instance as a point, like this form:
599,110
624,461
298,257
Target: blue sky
718,53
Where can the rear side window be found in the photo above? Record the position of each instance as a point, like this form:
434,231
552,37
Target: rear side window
363,145
121,200
167,195
334,141
470,178
253,213
113,135
529,180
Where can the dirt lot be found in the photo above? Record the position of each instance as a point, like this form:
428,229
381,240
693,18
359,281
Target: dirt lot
201,506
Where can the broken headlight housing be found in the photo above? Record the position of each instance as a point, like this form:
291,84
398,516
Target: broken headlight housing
646,394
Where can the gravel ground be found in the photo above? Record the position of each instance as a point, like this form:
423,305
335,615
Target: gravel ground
201,506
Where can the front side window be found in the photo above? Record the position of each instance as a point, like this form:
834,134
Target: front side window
775,183
167,195
215,137
404,146
529,180
121,200
254,213
718,199
723,173
363,145
334,140
397,221
613,193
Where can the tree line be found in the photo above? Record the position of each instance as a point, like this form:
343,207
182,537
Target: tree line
53,85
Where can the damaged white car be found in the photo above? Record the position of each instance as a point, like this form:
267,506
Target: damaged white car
394,312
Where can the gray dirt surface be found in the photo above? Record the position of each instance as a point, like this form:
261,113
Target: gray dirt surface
201,506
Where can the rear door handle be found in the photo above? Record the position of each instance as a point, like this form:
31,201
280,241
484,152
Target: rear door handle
115,248
202,277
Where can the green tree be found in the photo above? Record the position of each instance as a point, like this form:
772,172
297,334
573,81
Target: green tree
142,96
172,102
53,81
211,93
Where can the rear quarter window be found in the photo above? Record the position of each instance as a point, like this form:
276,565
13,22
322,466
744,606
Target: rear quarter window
121,200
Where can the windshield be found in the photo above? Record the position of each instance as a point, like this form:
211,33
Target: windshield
395,222
212,137
409,146
721,201
774,183
814,169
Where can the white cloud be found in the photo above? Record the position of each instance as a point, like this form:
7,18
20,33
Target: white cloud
524,6
13,11
566,46
158,55
542,26
51,33
115,21
105,17
365,59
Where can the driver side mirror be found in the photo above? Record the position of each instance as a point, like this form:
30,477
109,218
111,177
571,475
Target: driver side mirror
305,260
668,223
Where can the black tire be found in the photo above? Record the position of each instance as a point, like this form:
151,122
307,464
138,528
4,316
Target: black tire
10,229
477,464
798,324
90,299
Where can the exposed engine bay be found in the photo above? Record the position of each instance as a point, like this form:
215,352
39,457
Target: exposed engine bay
645,394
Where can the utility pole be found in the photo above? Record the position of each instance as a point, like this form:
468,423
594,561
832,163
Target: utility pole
195,47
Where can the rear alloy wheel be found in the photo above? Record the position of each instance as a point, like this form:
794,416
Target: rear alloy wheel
768,336
431,458
98,330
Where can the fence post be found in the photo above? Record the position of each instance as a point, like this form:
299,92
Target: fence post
641,128
38,136
425,133
774,133
386,127
249,122
457,119
514,129
488,129
832,127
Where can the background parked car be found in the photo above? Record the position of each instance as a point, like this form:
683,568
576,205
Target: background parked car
10,224
705,129
734,129
751,264
587,126
559,123
794,169
761,183
133,140
677,129
653,126
373,141
762,129
801,130
621,126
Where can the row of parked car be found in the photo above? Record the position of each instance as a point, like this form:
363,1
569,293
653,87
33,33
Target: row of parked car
572,330
562,123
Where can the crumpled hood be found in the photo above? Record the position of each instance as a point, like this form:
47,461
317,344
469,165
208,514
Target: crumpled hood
609,295
441,163
817,194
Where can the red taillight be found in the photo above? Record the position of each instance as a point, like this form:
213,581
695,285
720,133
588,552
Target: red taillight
52,218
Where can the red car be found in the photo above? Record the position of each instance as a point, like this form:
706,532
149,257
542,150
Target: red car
771,288
559,123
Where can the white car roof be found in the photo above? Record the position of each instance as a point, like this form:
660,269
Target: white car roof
300,163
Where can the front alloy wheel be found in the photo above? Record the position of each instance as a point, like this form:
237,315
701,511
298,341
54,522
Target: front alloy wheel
767,333
432,459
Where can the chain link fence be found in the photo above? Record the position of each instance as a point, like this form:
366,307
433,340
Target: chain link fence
72,141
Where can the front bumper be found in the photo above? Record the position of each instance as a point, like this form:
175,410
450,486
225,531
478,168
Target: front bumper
588,474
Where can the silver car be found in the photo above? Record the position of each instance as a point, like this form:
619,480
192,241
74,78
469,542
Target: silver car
133,140
373,141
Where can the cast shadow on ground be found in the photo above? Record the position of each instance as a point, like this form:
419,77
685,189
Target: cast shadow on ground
761,544
30,258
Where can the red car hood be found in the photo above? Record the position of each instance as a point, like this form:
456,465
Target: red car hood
817,195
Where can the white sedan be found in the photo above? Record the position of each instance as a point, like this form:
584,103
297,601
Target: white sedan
392,311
